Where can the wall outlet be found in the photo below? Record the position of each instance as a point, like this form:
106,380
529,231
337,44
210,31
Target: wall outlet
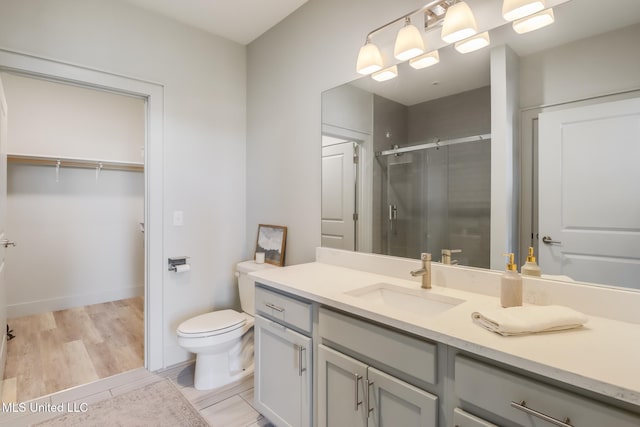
178,218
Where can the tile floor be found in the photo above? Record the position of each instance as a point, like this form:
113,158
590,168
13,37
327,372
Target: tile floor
230,406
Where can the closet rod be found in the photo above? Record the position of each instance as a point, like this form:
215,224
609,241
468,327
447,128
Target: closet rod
435,143
75,162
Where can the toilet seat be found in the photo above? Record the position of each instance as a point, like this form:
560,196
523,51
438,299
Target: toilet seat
210,324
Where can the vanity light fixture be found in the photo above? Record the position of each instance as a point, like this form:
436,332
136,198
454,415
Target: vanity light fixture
425,60
369,59
534,22
386,74
409,42
473,43
459,23
516,9
458,28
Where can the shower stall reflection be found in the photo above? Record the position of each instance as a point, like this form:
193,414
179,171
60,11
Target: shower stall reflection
401,177
434,198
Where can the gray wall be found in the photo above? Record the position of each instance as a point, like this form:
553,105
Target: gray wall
348,107
455,116
313,50
603,64
79,241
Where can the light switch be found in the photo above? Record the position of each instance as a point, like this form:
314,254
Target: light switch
178,218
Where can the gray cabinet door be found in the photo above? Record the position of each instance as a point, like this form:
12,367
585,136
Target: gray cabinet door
282,374
396,403
341,390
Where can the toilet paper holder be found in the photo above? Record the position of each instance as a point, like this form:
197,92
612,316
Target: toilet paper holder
174,262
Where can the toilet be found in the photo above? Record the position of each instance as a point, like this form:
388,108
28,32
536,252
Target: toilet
223,340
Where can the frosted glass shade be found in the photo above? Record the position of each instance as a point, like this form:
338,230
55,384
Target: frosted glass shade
459,23
386,74
408,43
369,59
516,9
426,60
473,43
534,22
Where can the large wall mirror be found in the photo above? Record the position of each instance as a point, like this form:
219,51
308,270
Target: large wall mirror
407,163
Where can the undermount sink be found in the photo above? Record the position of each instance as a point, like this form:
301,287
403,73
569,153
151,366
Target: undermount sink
416,301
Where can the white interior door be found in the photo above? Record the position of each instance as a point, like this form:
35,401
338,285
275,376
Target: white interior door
338,196
589,193
3,216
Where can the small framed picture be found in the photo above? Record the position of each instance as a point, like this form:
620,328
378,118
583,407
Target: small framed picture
270,244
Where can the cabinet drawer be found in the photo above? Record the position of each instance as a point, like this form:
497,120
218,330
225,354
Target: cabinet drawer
285,309
404,354
465,419
500,392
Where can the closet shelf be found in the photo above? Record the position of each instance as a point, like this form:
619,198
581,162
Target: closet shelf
75,162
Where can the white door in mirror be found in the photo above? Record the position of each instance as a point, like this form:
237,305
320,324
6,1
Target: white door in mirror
589,198
338,196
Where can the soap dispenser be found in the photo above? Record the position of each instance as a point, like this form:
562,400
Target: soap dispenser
530,268
511,285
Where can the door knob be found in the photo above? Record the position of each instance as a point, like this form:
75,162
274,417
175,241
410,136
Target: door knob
6,243
548,240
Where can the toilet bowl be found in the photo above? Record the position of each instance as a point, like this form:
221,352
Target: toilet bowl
223,340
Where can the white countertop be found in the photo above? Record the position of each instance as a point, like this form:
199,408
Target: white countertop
603,356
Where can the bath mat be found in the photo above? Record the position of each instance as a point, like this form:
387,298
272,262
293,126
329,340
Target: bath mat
157,404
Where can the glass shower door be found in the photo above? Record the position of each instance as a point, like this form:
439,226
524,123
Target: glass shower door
436,198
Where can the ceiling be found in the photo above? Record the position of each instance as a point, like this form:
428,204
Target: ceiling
239,20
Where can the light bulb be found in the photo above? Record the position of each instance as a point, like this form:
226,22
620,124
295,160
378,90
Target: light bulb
386,74
473,43
426,60
516,9
534,22
369,59
408,43
459,23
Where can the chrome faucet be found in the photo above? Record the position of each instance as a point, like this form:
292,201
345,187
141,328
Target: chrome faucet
425,271
446,256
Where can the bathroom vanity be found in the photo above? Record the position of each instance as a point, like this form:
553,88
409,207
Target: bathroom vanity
283,357
386,352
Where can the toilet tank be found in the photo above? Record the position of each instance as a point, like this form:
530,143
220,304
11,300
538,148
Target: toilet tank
246,284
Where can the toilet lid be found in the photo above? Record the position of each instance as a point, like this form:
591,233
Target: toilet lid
214,323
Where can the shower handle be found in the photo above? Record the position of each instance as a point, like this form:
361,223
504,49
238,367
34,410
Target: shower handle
393,212
393,216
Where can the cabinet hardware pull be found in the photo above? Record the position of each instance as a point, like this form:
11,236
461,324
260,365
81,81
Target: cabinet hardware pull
357,402
300,368
522,406
275,307
369,408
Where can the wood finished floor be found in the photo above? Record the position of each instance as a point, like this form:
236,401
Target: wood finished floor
58,350
229,406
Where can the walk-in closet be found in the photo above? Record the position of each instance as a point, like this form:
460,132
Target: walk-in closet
75,210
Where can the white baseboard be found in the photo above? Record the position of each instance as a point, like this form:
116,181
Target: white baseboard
61,303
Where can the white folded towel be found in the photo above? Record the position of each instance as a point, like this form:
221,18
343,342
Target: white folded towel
529,319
